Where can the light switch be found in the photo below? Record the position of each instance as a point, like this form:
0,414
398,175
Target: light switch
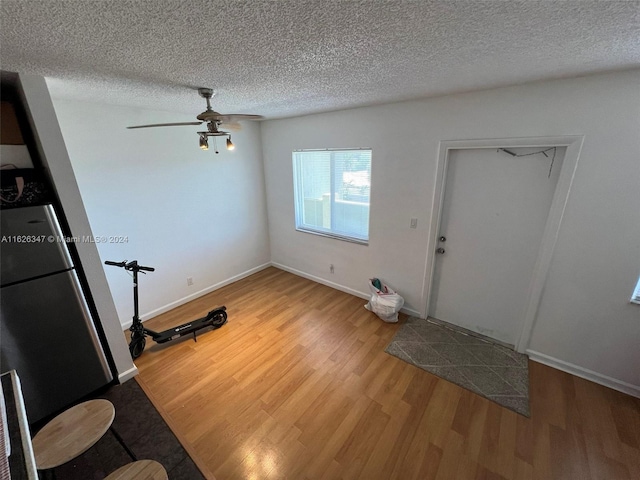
414,223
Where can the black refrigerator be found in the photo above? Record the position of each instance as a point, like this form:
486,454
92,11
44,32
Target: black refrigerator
47,333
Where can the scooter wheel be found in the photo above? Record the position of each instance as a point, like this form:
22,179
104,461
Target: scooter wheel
219,319
136,345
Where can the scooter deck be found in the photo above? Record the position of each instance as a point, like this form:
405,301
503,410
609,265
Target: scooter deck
215,318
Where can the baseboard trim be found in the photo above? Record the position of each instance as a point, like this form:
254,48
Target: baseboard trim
200,293
128,374
585,373
337,286
240,276
412,312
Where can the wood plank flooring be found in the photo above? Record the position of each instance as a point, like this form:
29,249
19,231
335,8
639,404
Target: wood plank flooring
297,386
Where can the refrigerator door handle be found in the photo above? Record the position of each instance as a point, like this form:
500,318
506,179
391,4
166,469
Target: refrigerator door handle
59,237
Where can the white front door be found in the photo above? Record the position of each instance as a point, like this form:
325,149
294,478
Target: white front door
493,217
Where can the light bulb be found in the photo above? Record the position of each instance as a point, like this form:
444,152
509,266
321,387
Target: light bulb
204,144
230,145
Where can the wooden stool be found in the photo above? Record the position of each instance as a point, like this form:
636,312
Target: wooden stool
140,470
72,433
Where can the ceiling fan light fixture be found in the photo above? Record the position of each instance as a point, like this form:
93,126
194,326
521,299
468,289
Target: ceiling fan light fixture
213,120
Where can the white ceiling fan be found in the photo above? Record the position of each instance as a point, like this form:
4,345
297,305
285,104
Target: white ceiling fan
213,121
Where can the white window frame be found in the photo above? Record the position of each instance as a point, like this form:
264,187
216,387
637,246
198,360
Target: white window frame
298,200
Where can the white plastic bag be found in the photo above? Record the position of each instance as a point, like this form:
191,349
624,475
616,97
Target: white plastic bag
384,302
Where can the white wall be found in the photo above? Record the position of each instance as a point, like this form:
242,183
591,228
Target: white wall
184,211
585,322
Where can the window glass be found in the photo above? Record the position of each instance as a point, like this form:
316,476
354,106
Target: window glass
332,192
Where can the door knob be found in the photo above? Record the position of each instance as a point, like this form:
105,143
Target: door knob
440,251
443,239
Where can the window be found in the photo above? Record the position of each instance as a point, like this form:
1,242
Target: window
635,298
332,190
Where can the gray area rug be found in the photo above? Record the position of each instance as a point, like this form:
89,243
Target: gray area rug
473,362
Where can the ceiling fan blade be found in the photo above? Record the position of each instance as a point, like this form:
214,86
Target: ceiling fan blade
166,124
235,117
233,126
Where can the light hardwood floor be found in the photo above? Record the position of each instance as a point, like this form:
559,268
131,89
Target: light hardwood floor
297,385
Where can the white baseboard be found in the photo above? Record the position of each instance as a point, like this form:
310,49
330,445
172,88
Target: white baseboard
585,373
128,374
235,278
337,286
412,312
200,293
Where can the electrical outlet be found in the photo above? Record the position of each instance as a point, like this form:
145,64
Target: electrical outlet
414,223
189,281
331,268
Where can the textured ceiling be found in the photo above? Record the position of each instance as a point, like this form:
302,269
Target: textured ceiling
284,58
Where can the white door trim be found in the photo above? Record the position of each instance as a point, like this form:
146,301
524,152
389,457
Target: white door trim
551,229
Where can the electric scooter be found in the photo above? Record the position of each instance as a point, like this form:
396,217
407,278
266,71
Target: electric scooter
215,318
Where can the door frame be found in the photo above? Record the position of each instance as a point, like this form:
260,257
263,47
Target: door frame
573,144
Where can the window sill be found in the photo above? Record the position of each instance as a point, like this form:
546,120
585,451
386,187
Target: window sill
333,235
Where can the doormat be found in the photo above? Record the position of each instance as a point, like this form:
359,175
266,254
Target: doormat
472,362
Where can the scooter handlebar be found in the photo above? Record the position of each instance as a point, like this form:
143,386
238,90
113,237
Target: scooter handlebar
130,266
115,264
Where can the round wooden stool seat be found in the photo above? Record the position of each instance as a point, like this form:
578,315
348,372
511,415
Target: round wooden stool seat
140,470
72,433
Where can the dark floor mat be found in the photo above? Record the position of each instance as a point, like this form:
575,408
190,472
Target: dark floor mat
142,431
